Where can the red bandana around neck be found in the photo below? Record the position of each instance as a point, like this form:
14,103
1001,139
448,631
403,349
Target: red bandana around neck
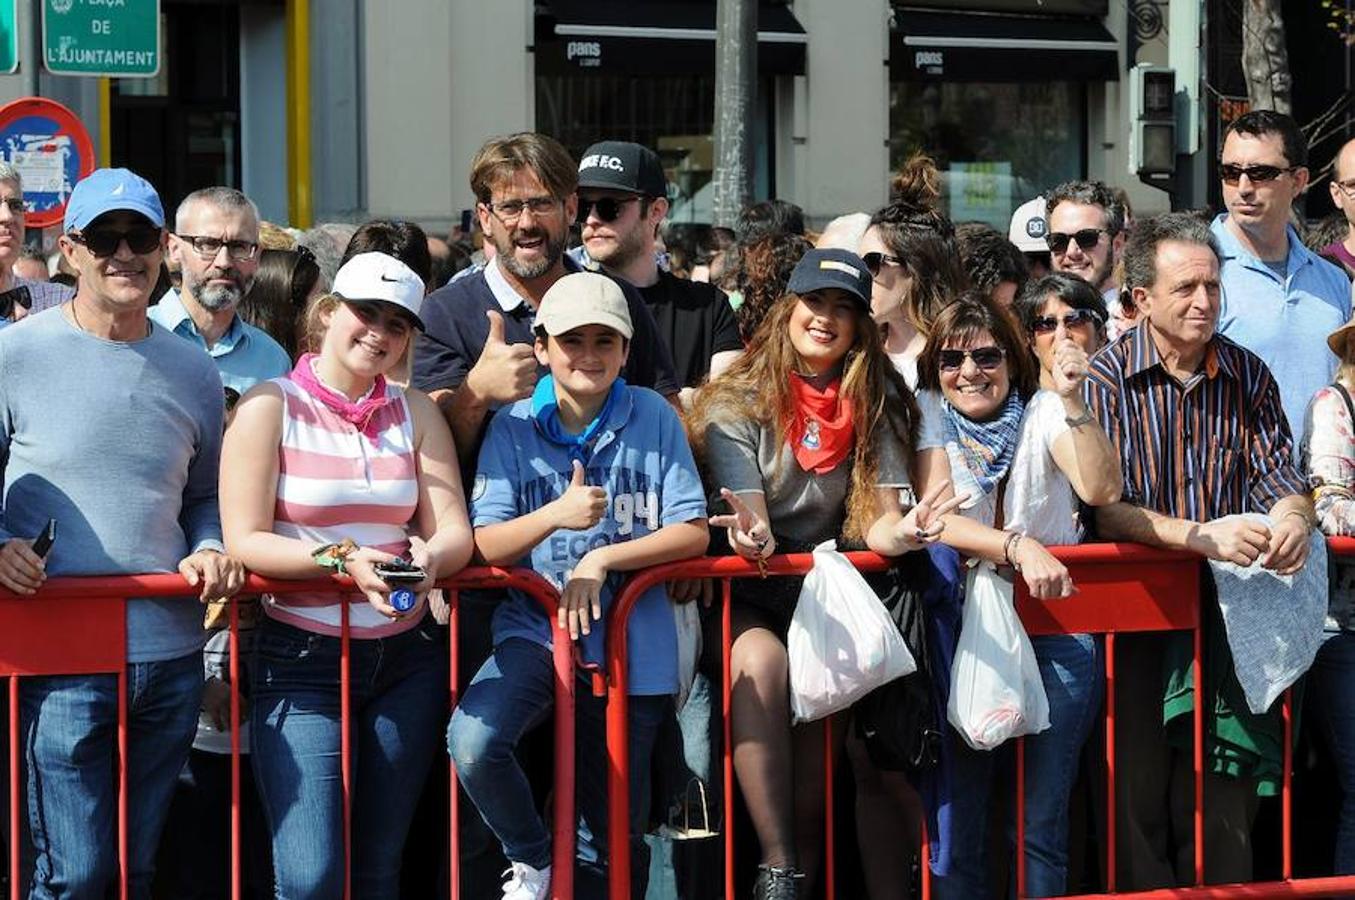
821,434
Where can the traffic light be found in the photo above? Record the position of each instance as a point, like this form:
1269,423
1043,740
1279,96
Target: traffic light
1152,142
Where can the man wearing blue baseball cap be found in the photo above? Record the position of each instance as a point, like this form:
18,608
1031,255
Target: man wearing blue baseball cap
112,427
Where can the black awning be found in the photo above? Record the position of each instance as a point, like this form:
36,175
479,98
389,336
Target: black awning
662,37
979,47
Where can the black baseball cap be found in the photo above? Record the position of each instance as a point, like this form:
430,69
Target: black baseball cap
832,268
623,166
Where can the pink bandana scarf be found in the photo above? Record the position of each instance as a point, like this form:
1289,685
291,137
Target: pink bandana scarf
362,413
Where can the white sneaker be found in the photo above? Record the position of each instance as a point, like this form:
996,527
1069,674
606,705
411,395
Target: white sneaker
526,883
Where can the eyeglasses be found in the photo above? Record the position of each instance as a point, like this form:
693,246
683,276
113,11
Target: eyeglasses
1346,187
104,242
1071,319
511,210
15,205
1232,174
1085,238
607,208
986,358
209,247
876,260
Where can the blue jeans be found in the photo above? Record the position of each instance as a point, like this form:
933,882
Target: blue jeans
514,692
398,695
1071,669
1333,702
70,725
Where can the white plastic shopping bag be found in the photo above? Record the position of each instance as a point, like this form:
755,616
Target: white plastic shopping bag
842,643
995,687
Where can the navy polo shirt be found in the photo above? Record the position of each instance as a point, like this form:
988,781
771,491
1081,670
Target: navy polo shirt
457,328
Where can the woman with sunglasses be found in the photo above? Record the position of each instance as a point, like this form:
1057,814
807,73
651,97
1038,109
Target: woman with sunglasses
1021,448
915,263
808,435
334,469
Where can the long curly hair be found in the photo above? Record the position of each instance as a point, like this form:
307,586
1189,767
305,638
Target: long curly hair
756,387
914,229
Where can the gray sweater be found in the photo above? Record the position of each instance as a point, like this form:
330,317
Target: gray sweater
119,442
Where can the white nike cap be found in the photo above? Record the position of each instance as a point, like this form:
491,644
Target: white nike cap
376,276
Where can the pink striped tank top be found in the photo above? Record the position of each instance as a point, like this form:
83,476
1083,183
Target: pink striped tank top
335,483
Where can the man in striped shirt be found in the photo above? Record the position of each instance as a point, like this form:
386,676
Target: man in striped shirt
1203,438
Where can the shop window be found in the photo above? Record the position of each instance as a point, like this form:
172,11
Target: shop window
997,145
673,114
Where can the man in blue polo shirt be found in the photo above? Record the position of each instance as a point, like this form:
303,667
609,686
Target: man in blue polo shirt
476,354
216,245
1280,300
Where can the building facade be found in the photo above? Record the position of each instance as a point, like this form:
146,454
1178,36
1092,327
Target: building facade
1010,97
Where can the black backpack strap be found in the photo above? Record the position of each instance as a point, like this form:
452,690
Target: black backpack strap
1345,395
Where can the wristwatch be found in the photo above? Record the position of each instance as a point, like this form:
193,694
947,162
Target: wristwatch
1080,420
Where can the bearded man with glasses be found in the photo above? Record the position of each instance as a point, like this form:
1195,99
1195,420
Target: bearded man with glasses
1280,299
216,246
476,354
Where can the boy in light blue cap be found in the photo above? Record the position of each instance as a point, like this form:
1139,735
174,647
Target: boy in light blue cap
113,429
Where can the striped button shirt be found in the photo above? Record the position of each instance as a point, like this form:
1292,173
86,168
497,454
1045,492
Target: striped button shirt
335,483
1216,445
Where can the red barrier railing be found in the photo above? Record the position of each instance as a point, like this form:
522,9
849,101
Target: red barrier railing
88,637
1123,588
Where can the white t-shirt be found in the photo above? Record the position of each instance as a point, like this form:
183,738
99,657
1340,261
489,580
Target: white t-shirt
1039,499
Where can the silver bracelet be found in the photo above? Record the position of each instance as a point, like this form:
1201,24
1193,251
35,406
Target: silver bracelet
1080,420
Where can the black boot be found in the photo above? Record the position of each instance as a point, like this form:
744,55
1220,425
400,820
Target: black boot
775,883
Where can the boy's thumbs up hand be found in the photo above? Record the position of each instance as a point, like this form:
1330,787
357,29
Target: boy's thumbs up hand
581,506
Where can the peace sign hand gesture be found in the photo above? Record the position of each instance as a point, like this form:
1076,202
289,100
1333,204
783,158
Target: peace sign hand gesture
923,523
749,534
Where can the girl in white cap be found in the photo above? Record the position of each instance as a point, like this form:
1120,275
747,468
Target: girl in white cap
334,468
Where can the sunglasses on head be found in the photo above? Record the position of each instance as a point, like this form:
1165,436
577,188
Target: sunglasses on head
1085,238
1232,174
986,358
1071,319
875,261
607,208
104,241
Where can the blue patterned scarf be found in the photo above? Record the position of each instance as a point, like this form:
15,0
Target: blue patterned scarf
985,449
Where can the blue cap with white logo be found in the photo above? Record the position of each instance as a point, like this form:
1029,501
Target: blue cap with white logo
109,190
829,267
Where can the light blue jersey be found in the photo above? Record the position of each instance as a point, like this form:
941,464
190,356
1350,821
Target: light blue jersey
641,456
1285,319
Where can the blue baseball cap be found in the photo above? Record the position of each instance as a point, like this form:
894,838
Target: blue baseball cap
108,190
830,267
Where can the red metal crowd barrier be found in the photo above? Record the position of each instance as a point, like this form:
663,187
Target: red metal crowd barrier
87,636
1122,588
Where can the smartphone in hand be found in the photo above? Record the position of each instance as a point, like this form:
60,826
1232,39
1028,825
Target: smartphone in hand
42,544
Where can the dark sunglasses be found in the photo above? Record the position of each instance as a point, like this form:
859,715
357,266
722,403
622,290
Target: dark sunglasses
608,208
104,242
1071,319
1086,238
874,261
986,358
1232,174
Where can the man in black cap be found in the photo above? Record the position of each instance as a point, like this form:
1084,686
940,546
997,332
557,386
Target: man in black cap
623,198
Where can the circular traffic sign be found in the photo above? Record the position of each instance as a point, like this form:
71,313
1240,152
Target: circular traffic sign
50,147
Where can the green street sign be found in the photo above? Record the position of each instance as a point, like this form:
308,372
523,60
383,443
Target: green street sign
9,37
117,38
